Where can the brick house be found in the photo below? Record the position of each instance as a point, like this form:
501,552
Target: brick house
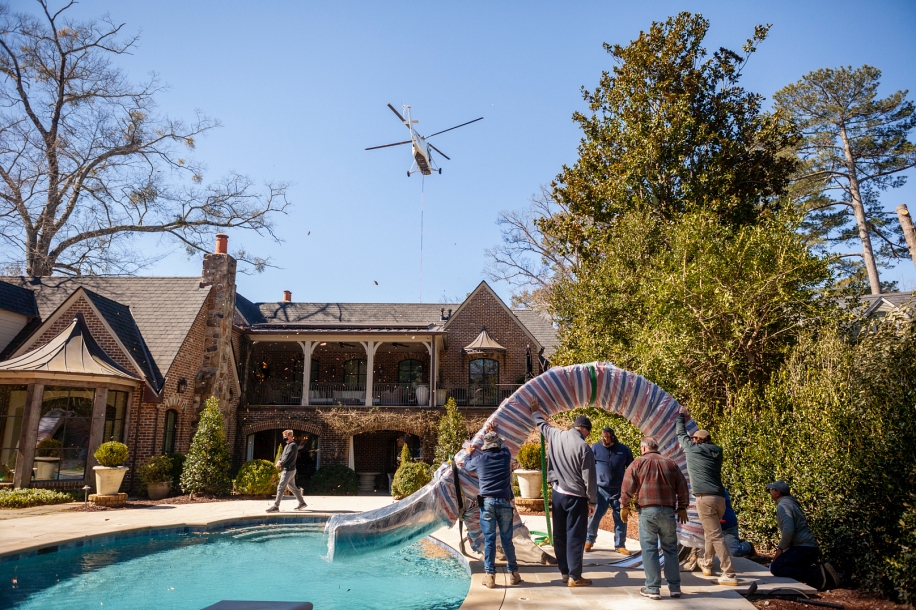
88,359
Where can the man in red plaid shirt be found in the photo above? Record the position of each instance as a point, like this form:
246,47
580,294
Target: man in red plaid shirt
660,490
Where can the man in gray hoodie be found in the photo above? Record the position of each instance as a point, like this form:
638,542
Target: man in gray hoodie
287,466
571,474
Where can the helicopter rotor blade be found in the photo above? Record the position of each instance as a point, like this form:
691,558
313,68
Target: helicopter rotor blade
397,113
439,151
387,145
451,128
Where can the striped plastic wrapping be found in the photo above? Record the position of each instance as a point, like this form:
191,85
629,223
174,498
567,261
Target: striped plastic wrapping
559,389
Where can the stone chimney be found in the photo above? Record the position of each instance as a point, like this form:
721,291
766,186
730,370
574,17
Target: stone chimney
287,296
215,375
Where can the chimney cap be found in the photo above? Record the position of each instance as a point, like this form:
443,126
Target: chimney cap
222,243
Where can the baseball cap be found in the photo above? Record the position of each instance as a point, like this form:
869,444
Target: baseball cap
780,486
583,422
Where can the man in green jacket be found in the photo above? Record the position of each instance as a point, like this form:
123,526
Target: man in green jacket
704,465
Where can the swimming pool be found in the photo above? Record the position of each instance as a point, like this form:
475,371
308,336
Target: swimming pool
264,562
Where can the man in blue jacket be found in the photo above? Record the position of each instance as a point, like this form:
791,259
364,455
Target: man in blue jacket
611,460
494,477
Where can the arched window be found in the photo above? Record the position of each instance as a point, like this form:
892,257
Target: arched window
355,371
171,423
483,371
410,371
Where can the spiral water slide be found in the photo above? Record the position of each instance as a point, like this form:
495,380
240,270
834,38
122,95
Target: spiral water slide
559,389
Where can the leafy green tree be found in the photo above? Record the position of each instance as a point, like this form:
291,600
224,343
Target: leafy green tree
452,432
671,131
206,469
855,147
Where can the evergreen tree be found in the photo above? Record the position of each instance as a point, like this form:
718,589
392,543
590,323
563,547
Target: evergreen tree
452,432
855,146
207,468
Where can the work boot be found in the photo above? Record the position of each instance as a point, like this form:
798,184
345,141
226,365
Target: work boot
515,578
588,547
706,571
727,581
624,550
489,580
579,582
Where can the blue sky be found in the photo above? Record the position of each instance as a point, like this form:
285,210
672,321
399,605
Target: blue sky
301,89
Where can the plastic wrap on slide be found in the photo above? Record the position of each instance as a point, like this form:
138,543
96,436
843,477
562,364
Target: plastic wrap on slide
559,389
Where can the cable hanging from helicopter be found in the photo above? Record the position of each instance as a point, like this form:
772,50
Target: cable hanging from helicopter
421,150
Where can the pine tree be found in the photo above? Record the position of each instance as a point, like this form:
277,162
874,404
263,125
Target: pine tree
207,467
452,432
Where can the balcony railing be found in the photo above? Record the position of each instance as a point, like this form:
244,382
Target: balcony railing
490,395
337,393
275,392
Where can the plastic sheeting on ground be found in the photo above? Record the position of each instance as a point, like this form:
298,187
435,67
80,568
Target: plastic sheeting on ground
559,389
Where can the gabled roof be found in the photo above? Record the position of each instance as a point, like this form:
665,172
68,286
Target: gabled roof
74,352
541,327
162,308
18,300
484,287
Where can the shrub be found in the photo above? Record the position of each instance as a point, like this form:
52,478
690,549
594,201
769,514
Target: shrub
24,498
529,456
410,476
257,478
111,454
626,433
178,460
452,432
157,469
207,467
334,480
50,447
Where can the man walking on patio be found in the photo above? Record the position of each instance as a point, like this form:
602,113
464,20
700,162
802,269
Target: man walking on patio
659,487
704,465
611,460
287,465
571,474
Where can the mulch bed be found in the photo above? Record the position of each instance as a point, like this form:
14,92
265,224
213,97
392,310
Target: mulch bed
184,499
848,598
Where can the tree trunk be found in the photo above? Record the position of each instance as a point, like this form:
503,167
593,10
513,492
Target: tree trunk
909,232
859,210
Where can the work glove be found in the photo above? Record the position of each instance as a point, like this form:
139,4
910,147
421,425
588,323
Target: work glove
682,515
624,514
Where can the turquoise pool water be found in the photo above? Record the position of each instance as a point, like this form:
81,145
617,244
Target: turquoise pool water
265,563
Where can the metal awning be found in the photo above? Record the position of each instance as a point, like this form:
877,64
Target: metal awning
72,352
483,344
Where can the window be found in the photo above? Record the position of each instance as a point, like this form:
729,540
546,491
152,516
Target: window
355,371
63,433
12,406
483,371
410,372
115,407
171,422
313,374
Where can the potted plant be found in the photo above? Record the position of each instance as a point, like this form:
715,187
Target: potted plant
156,476
529,473
47,458
109,474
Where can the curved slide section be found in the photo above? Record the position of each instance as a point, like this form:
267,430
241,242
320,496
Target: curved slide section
559,389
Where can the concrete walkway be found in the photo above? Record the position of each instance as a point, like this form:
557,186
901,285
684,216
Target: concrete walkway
541,587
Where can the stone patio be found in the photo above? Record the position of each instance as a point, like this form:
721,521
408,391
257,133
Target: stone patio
541,587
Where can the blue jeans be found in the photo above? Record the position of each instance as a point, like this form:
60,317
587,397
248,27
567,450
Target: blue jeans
496,513
658,526
736,546
605,500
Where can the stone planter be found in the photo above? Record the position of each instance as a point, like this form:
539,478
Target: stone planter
45,467
158,491
422,395
529,483
108,479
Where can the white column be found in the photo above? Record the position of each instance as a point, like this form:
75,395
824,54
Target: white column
351,457
431,348
370,347
306,371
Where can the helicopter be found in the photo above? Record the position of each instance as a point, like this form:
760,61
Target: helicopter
422,150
